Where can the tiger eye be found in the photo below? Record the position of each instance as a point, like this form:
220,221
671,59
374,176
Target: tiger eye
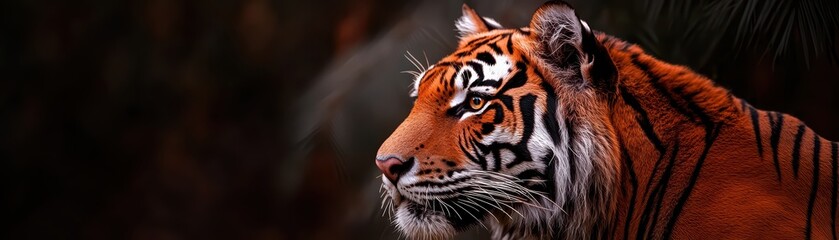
476,103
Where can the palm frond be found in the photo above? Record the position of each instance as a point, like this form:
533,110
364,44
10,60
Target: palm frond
782,27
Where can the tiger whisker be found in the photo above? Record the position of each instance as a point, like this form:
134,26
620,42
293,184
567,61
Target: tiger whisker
520,201
522,191
456,203
420,67
508,206
447,206
415,62
469,198
498,206
413,73
506,179
427,65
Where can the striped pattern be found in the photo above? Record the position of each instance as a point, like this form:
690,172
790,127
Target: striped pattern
654,210
660,153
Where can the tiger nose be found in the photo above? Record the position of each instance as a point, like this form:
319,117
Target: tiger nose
393,168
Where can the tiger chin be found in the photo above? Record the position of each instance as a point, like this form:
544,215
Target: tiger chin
554,130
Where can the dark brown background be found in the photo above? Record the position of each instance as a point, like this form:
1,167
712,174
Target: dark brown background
257,119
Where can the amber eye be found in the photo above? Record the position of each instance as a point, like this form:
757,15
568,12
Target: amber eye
476,103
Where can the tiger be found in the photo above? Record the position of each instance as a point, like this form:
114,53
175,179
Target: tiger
557,131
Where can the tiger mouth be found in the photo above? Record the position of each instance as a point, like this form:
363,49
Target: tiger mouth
425,207
420,210
456,210
453,211
417,207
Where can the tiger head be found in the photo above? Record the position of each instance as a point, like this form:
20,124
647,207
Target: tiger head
510,131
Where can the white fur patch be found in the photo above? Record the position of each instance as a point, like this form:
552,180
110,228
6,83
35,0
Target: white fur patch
417,80
496,72
465,26
492,23
429,226
585,25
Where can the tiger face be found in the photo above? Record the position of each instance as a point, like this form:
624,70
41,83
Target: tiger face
475,141
483,144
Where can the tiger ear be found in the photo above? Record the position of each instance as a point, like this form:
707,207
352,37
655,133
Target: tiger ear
472,23
567,43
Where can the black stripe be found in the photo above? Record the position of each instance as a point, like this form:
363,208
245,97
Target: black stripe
473,158
479,70
552,125
508,102
470,42
710,137
649,132
653,173
530,174
703,117
484,149
451,82
572,158
446,64
495,48
526,107
510,44
486,83
496,154
486,58
756,125
814,191
657,197
648,197
550,170
490,39
451,182
533,174
479,153
457,68
472,45
549,119
465,76
776,120
643,119
633,180
517,80
499,113
487,128
833,153
654,79
796,150
664,182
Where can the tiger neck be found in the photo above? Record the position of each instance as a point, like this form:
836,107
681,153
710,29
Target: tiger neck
665,100
666,104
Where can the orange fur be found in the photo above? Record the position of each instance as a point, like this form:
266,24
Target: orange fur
672,155
738,194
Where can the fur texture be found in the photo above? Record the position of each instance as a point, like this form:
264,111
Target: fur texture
555,131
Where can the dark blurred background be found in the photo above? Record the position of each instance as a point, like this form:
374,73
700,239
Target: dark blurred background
258,119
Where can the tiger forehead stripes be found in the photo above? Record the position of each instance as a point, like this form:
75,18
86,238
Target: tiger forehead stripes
556,131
